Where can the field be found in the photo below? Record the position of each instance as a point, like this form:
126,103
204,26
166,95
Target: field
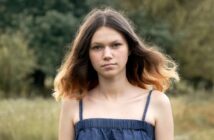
37,119
194,117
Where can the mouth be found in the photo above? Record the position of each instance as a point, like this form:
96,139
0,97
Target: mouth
110,64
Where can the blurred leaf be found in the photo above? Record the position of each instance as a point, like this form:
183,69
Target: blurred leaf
16,63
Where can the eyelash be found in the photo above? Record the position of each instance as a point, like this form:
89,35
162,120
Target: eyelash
116,44
100,47
96,47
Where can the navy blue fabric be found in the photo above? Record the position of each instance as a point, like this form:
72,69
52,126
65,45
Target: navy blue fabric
114,129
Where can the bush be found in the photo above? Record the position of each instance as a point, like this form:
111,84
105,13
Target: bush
16,62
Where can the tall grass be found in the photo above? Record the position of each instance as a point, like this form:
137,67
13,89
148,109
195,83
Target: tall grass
37,119
28,119
194,116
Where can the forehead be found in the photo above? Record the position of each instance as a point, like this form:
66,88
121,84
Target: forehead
106,34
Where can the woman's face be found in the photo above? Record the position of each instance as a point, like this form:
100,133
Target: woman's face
108,52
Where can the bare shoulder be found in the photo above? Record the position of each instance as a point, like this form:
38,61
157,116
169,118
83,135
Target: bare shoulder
164,126
161,104
69,108
69,103
160,99
66,121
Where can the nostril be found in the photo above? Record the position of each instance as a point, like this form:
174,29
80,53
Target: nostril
107,58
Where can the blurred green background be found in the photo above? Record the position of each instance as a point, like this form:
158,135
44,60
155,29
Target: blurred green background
35,34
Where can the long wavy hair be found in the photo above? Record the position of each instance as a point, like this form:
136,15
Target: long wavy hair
146,66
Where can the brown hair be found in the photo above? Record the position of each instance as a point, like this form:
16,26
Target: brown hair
146,65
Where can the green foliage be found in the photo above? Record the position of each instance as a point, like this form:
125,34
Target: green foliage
197,59
16,62
149,23
184,29
181,88
12,12
49,35
154,31
195,49
48,26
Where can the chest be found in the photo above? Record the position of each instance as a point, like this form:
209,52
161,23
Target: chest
130,109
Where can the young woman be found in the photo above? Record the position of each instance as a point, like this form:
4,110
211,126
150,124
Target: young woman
111,84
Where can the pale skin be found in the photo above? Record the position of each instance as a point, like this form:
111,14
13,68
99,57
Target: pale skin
115,97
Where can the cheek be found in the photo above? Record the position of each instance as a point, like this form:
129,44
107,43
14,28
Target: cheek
123,56
94,59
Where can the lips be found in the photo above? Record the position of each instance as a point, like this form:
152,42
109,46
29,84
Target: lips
109,64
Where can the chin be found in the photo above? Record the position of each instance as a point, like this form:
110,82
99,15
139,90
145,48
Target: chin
109,74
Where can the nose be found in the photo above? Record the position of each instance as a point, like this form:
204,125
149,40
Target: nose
107,54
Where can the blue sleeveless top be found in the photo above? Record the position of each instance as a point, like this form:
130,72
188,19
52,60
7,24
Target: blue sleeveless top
114,129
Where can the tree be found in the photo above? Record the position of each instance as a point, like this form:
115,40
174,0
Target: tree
187,32
16,62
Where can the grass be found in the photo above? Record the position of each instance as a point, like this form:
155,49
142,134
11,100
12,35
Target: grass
28,119
194,117
37,119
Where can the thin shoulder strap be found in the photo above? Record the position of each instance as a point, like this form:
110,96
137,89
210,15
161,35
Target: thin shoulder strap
147,105
80,109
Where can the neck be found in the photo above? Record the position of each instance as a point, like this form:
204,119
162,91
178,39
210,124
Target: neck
113,88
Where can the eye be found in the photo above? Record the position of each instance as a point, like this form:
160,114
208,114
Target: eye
97,47
116,45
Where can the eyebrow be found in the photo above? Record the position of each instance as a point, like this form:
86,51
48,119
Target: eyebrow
99,43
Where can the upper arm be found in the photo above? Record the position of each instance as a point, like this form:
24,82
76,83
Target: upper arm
66,125
164,126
